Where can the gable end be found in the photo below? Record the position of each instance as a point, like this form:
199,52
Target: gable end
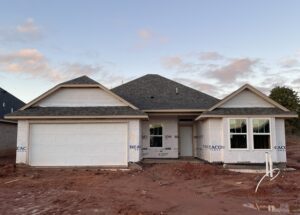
81,91
247,97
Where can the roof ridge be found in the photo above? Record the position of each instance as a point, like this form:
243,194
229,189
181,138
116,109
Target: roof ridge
198,91
153,91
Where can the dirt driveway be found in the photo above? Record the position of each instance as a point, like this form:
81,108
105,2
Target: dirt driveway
181,188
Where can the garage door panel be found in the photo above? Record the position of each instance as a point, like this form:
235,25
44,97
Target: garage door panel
78,144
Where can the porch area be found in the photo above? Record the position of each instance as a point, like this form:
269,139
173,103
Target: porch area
169,138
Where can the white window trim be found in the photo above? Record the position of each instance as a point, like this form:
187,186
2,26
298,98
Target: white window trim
270,132
229,134
162,136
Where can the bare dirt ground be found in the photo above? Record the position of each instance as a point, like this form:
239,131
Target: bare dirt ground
180,188
293,151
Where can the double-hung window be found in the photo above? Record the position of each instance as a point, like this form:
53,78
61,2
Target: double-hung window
156,135
238,133
261,134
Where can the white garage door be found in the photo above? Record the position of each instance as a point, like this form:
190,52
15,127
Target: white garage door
101,144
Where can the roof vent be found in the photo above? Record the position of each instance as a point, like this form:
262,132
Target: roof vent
151,97
177,91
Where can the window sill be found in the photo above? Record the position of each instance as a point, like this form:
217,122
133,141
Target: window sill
245,149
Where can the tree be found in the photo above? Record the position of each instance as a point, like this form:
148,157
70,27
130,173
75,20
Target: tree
288,98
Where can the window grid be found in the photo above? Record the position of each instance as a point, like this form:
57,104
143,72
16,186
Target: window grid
261,132
235,131
156,130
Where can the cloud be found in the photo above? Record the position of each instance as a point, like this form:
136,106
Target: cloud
289,62
296,81
163,39
236,68
28,31
193,63
145,34
77,69
272,81
210,56
107,78
210,89
32,63
147,37
28,61
28,27
204,70
172,62
182,65
225,73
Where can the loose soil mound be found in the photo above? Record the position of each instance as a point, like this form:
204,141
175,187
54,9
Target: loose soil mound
293,151
198,171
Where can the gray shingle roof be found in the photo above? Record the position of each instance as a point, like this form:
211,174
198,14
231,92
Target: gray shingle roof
79,111
153,92
81,80
8,102
247,111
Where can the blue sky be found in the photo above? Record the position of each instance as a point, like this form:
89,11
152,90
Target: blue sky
213,46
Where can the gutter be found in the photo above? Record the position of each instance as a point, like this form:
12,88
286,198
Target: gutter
221,116
79,117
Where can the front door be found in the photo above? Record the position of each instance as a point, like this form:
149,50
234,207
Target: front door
186,140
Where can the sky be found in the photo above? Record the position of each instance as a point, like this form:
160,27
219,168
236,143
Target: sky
214,46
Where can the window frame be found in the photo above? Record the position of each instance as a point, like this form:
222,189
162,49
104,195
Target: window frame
229,134
155,135
253,133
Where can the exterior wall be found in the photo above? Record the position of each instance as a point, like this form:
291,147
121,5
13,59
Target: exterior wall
280,146
8,139
80,97
216,141
170,138
203,139
210,140
22,142
195,138
213,142
134,139
250,155
246,99
134,147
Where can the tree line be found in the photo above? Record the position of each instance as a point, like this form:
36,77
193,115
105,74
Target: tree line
288,98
